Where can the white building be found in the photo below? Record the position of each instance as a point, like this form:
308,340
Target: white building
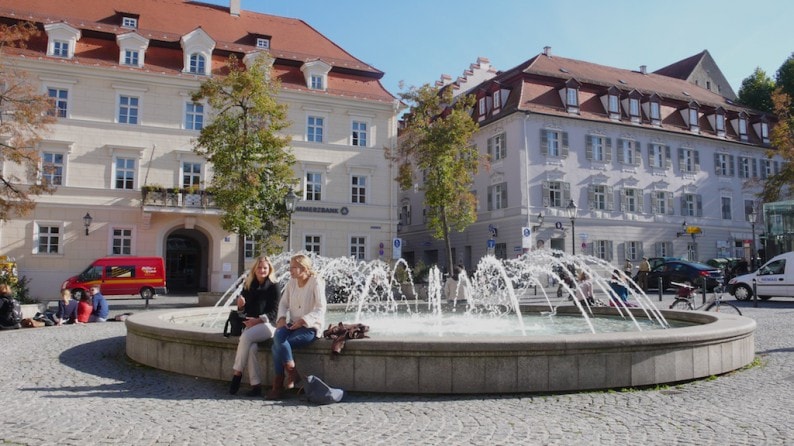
121,73
655,165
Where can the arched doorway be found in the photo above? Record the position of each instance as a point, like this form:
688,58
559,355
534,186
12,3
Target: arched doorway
186,261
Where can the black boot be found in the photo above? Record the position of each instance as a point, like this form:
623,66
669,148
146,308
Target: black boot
256,390
235,385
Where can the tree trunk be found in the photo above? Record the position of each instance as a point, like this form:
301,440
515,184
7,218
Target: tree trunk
447,243
240,255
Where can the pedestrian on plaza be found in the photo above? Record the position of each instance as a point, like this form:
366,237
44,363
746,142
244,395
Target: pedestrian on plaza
456,287
642,276
621,291
84,309
99,305
259,301
67,309
301,320
628,268
584,290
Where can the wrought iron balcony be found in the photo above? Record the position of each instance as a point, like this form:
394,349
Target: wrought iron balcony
177,198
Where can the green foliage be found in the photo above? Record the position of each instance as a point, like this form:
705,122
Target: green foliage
779,185
756,91
784,78
252,161
436,140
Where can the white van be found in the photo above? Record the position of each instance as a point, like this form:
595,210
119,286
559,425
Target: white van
774,279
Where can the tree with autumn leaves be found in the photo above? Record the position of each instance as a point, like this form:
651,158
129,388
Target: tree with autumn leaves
436,142
251,158
25,116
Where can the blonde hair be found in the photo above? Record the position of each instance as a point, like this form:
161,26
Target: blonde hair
304,261
252,274
66,292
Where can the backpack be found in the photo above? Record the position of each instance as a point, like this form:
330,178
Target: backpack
10,314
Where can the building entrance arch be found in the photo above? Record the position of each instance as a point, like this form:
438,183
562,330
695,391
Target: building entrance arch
187,261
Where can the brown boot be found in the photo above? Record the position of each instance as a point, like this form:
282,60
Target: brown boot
293,377
277,391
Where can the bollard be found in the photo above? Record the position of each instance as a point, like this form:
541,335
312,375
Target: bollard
146,305
755,294
661,289
704,291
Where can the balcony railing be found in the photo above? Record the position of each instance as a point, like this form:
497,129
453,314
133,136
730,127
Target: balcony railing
179,198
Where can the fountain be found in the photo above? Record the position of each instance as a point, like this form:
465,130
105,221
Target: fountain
651,347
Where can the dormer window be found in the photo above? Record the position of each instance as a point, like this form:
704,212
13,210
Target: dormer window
497,102
482,106
742,126
132,49
129,22
570,95
316,74
614,104
263,43
197,47
655,110
691,115
717,121
634,108
61,39
762,128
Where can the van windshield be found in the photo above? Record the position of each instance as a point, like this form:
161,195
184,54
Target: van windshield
91,273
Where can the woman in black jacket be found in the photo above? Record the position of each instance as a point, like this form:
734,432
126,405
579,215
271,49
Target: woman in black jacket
259,301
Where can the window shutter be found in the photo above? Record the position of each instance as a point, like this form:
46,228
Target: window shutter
544,142
545,188
490,149
588,147
655,203
670,210
696,153
609,250
621,159
717,167
566,194
668,162
564,148
504,195
683,205
731,165
637,154
640,201
624,200
755,167
681,166
490,198
591,196
610,198
608,150
699,205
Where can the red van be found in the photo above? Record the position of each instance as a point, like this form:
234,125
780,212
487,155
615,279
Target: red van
121,275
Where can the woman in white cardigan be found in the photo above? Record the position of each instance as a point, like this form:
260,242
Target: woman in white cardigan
300,320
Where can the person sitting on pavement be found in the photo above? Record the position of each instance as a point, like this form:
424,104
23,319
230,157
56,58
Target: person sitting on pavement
84,309
99,305
67,309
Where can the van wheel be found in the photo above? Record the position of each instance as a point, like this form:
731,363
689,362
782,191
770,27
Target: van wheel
743,292
147,293
78,293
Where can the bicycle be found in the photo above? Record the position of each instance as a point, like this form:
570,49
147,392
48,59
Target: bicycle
685,300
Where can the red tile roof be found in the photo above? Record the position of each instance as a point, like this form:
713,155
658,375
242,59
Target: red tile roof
168,20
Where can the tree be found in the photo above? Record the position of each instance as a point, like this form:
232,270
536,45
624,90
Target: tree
436,140
781,138
756,91
784,78
25,116
251,161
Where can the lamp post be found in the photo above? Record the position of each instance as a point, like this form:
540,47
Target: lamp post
87,222
751,217
290,200
571,208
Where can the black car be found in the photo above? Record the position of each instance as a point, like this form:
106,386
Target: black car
689,273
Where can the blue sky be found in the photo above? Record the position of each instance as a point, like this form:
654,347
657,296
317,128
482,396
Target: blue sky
415,41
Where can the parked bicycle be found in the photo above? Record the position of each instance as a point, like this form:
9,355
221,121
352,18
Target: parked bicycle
685,300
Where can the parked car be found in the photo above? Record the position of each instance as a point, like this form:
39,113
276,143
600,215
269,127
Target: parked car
121,275
655,262
686,272
774,278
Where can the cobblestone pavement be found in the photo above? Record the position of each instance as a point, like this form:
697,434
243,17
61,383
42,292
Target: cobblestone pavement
75,385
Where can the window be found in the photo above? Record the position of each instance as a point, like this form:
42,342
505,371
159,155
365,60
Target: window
359,136
129,22
600,197
194,116
602,249
663,249
131,57
598,148
48,239
628,152
312,244
249,247
765,132
634,108
497,99
125,173
314,186
726,208
358,189
554,143
693,119
614,104
481,106
262,43
496,147
571,97
688,160
659,156
314,129
633,250
769,168
128,109
122,241
691,205
405,214
497,196
60,102
556,194
198,64
500,251
317,82
747,167
191,175
656,114
743,127
60,48
719,124
632,200
52,168
662,203
358,248
724,164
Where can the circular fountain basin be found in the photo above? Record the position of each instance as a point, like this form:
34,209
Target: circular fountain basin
715,343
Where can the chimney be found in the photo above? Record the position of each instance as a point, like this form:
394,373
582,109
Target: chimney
644,69
234,7
547,51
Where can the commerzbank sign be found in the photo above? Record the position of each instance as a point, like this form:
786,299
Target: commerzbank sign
323,210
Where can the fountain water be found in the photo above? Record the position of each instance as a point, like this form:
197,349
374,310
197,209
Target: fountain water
644,351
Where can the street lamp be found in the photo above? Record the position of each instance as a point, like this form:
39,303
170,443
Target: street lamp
87,222
751,217
571,208
290,200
